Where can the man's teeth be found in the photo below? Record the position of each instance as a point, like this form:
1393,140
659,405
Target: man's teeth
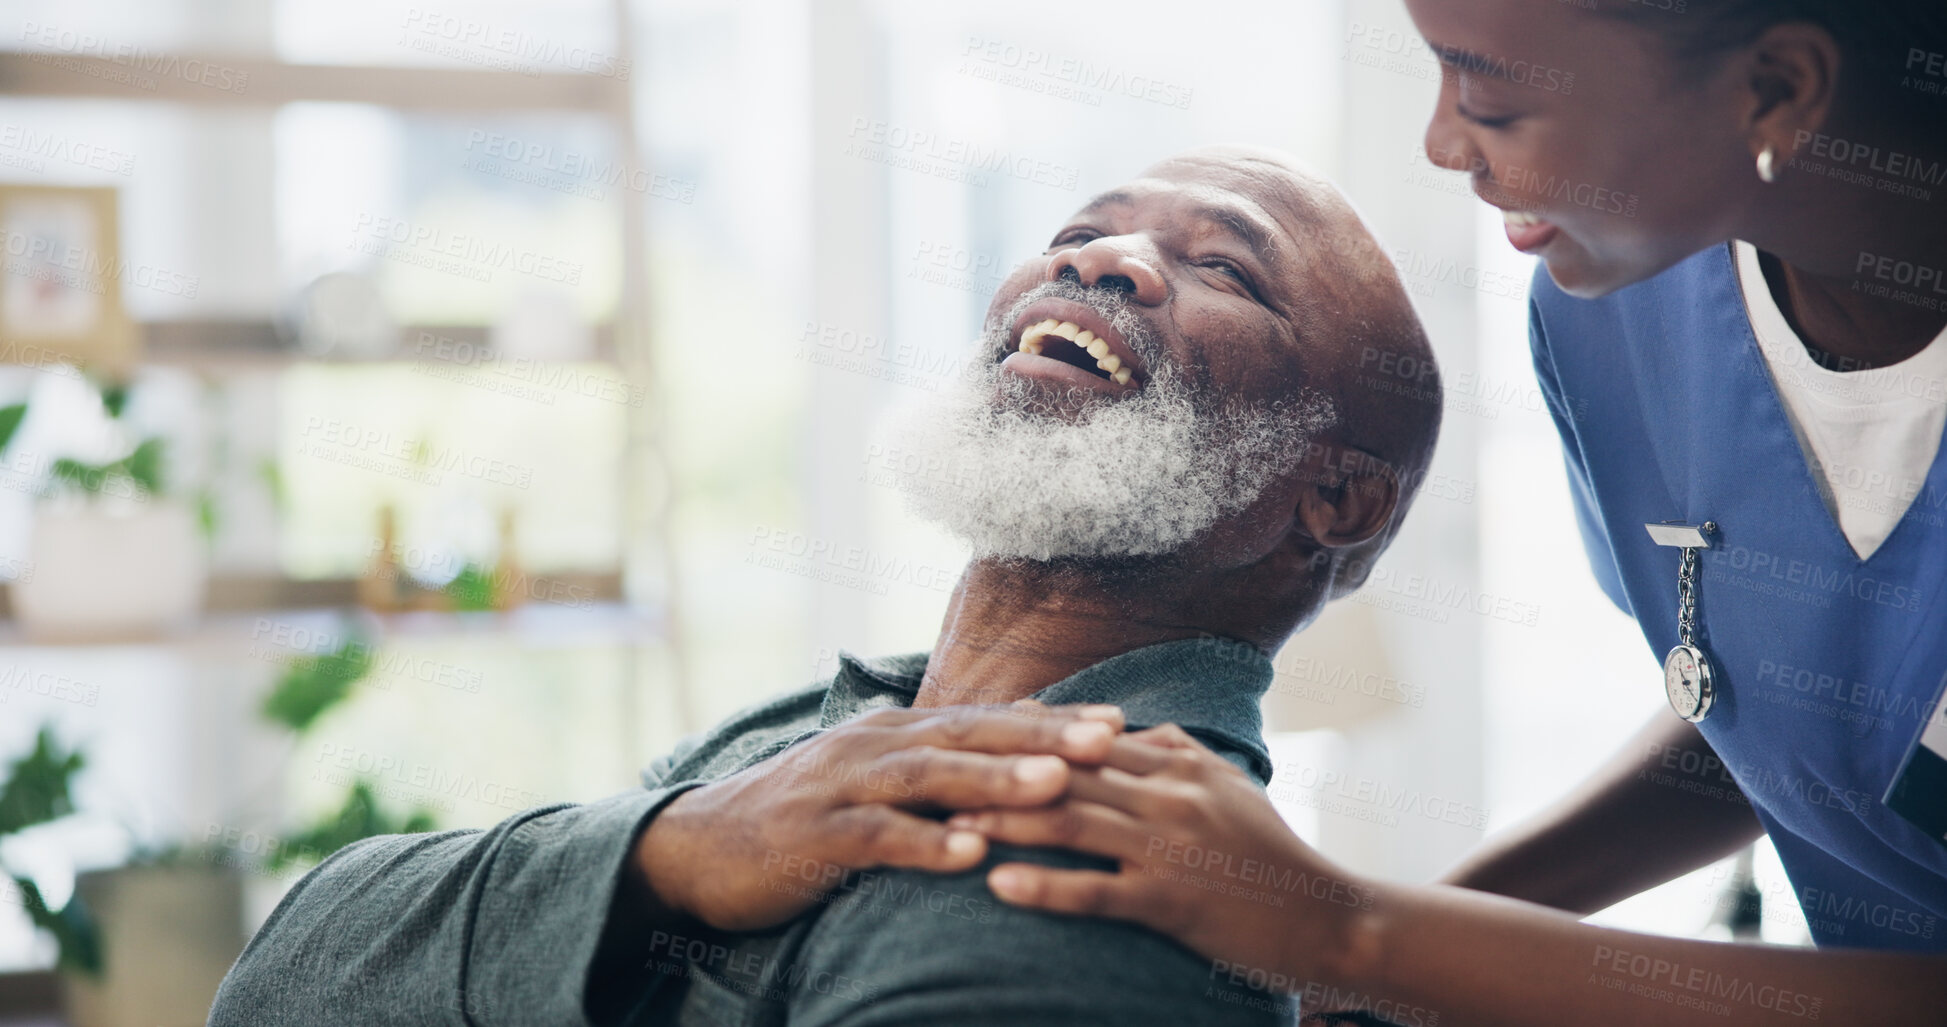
1520,218
1032,342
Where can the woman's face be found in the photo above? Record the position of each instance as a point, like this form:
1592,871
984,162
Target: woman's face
1612,163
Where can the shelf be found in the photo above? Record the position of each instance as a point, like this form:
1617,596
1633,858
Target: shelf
533,626
255,345
225,80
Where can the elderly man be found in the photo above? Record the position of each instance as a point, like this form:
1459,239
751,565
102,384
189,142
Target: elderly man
1169,464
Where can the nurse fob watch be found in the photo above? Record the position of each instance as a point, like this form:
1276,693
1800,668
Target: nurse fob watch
1688,678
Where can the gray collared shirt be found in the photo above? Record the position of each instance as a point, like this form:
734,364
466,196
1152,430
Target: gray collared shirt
501,926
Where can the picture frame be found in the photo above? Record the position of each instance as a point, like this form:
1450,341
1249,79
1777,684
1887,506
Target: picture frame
61,272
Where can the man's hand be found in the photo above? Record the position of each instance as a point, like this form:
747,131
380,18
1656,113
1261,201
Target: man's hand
759,847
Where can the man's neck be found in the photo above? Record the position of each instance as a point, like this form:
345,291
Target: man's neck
1014,628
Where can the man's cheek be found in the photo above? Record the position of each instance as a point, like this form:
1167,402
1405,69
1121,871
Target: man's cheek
1025,277
1268,369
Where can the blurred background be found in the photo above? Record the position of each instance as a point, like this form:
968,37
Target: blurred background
415,414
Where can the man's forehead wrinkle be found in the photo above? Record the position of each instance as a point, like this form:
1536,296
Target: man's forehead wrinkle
1113,198
1263,181
1239,213
1222,206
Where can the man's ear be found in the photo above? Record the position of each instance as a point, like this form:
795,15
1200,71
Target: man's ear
1349,496
1792,78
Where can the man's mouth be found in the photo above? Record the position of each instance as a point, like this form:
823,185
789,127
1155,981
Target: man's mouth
1083,349
1069,343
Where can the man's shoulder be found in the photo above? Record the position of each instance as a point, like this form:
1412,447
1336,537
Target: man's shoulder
751,730
759,730
935,948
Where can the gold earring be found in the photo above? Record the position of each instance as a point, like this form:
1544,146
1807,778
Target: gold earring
1768,164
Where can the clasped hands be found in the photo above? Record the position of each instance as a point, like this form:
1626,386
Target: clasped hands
1201,853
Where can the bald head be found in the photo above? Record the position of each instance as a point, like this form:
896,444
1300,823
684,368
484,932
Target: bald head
1365,346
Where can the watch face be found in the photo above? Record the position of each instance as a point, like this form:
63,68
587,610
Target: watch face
1686,677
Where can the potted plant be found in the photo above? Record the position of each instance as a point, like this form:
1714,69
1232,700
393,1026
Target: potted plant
36,791
146,944
113,555
142,944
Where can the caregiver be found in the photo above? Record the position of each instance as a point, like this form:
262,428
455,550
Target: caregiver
1741,206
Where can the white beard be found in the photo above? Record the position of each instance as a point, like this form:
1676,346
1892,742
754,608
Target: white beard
1144,475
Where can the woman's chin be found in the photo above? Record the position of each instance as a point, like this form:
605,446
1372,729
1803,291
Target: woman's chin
1577,274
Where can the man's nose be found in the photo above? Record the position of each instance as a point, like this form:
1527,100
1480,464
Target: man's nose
1112,262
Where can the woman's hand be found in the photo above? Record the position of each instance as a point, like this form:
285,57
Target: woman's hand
1205,858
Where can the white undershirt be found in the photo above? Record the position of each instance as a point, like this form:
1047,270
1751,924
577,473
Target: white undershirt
1868,436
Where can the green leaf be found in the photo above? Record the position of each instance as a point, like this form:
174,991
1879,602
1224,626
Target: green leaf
114,399
145,465
313,684
358,819
206,515
73,929
10,418
472,589
36,789
86,477
272,475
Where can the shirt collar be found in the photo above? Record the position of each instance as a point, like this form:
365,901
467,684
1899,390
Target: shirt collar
1208,686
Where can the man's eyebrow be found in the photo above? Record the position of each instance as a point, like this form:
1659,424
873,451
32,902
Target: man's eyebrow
1260,239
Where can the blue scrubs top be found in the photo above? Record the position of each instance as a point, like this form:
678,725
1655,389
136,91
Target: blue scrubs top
1826,664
